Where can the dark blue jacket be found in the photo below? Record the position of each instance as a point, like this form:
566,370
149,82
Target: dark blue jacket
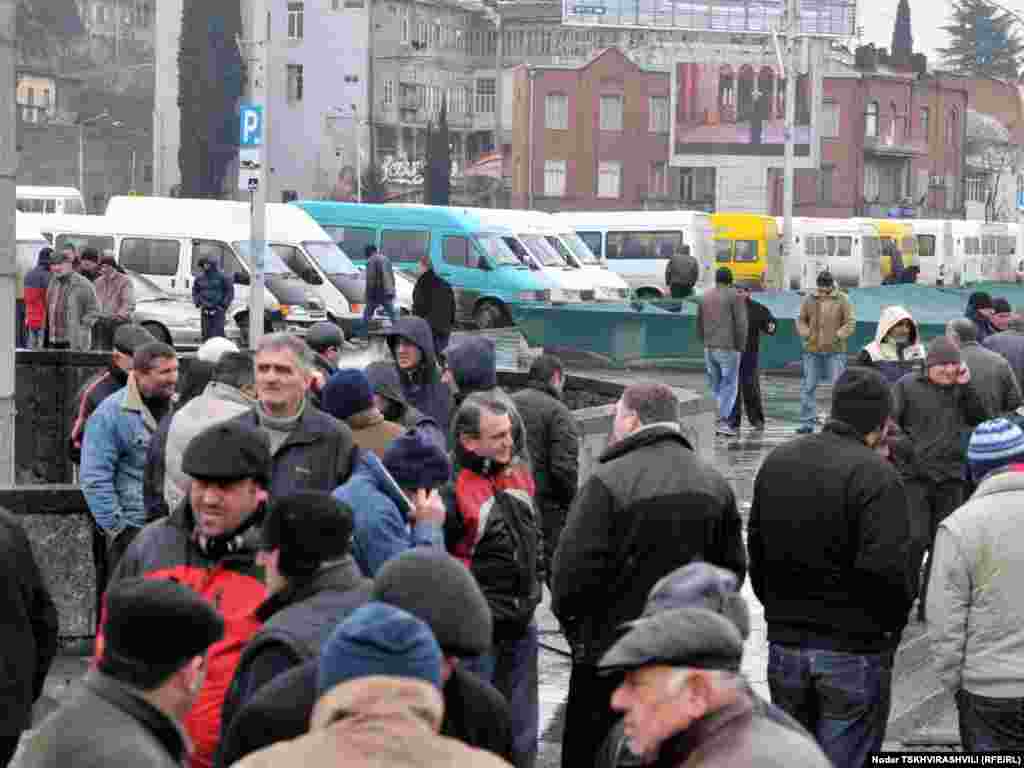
38,276
380,279
422,388
212,289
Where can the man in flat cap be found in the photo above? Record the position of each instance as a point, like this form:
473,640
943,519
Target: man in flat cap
209,543
128,712
685,702
314,583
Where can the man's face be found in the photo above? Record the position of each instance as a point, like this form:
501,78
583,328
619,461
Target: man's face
743,293
160,380
626,422
495,441
89,266
121,360
944,375
106,268
221,507
987,312
408,354
653,711
65,265
1001,320
281,383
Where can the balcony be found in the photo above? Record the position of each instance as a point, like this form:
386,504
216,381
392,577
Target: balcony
410,100
889,146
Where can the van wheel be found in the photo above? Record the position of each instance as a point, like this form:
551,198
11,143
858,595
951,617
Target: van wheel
159,333
489,315
648,294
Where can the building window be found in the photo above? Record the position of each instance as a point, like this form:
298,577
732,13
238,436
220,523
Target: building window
657,184
405,25
46,97
825,179
871,119
830,120
294,83
697,186
295,20
554,178
30,96
389,91
894,128
485,89
976,189
147,173
609,178
421,33
658,114
556,112
611,113
954,134
100,13
924,123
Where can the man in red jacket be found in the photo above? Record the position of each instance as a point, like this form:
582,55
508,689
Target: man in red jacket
36,282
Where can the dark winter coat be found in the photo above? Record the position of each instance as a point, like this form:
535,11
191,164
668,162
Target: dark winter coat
95,391
434,300
474,713
106,724
385,381
380,279
422,387
168,549
316,456
992,378
212,289
832,557
759,320
982,323
553,442
296,623
1009,344
28,630
650,506
938,421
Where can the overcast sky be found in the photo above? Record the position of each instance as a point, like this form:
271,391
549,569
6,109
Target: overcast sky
927,17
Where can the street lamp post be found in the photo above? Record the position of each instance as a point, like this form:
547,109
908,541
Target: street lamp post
81,149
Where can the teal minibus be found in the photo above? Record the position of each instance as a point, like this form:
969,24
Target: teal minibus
487,277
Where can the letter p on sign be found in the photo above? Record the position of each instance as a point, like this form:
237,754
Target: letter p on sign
251,128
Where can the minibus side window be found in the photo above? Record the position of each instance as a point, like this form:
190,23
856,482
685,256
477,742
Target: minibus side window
746,250
926,245
723,251
401,246
150,256
844,246
457,252
593,241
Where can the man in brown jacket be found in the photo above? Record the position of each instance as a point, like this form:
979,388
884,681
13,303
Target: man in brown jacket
116,296
826,321
379,681
722,328
347,397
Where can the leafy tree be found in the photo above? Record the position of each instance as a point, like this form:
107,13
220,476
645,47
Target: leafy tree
984,41
902,39
437,176
209,88
375,189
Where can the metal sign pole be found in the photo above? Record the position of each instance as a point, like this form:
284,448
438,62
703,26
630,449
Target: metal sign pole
792,269
8,266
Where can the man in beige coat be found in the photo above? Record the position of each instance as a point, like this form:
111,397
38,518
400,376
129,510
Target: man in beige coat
826,321
380,703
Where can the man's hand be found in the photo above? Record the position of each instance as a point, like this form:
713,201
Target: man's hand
963,376
427,507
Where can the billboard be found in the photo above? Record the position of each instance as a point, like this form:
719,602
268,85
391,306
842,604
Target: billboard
735,108
818,18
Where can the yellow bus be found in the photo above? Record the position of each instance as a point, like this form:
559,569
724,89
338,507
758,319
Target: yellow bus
749,245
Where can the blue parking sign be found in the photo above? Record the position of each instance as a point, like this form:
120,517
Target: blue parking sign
250,132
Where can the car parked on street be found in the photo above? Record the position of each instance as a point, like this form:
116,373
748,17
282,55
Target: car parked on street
171,319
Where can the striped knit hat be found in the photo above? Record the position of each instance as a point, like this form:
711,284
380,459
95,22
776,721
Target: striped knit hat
994,444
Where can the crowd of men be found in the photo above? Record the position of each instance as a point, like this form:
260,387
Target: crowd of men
306,564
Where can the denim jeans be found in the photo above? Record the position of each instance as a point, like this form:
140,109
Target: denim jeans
723,367
371,308
842,699
36,337
990,725
511,667
818,368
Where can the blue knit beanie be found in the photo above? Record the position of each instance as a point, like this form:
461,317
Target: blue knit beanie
414,460
994,444
346,393
474,364
379,639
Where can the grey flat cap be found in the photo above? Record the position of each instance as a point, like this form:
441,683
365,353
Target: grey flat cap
684,637
700,585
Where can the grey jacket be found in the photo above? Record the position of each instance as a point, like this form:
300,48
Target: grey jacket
722,320
1010,344
993,379
974,603
80,310
105,724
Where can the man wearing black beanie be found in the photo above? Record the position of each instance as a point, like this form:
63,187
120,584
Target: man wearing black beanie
833,561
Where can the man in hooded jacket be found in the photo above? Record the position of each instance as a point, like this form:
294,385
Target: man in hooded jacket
412,347
212,292
897,349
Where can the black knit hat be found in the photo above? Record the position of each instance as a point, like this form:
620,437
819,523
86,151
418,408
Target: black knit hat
414,460
156,625
232,450
310,528
438,589
825,279
1001,306
861,399
723,276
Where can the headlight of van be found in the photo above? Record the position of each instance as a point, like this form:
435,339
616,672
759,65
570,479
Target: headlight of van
542,296
558,296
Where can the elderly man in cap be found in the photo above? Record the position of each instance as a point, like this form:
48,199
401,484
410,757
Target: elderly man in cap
129,711
379,684
697,585
426,583
685,702
209,543
313,582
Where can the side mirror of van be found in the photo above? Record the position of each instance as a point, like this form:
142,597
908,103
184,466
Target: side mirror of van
241,278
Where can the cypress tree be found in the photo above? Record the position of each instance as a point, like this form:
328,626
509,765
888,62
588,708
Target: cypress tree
984,41
437,177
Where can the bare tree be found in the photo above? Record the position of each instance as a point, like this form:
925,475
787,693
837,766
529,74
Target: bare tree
990,150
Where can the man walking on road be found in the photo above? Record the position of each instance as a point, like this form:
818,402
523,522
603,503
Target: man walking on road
212,292
759,320
722,329
650,506
434,300
380,286
833,561
825,322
